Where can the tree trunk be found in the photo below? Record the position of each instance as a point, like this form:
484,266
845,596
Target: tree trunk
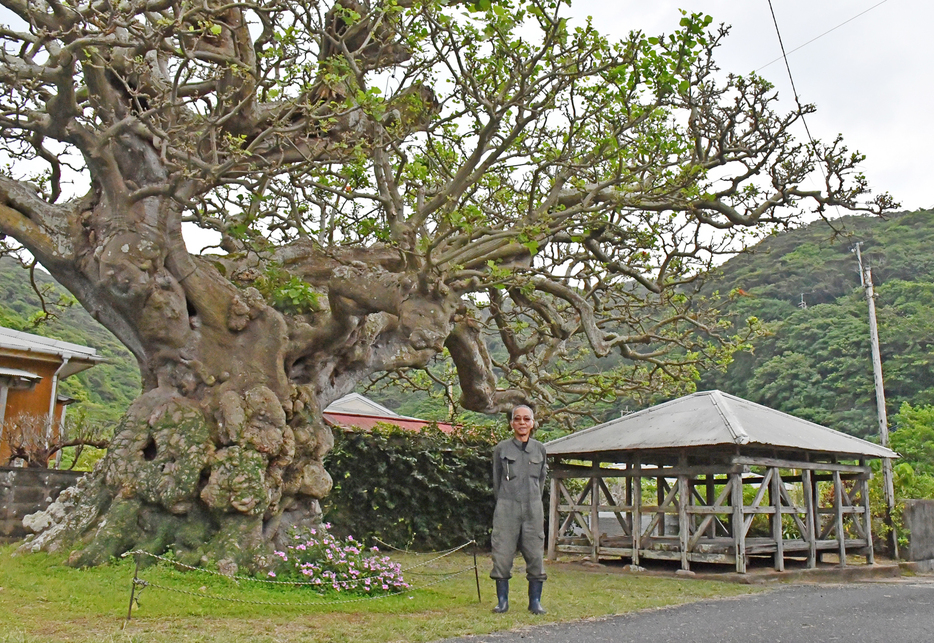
217,480
223,450
220,454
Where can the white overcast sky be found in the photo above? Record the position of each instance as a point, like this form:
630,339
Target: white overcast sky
869,78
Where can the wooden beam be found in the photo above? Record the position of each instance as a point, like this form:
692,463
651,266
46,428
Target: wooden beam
684,525
613,506
580,471
827,477
794,510
777,521
711,513
628,498
595,514
838,507
697,510
553,520
867,522
739,533
711,492
854,510
809,518
660,510
636,511
574,514
763,487
793,464
754,508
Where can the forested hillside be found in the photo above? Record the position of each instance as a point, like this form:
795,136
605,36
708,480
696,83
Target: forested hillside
804,285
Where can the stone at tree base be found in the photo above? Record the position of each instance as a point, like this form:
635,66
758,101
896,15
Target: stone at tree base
227,567
39,521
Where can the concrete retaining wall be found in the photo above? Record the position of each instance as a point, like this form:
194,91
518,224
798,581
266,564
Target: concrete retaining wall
919,519
26,491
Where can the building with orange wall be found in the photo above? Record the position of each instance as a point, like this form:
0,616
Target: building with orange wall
31,368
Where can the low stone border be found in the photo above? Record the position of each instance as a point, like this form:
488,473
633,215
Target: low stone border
24,491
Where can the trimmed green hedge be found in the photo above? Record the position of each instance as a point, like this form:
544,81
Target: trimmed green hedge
426,491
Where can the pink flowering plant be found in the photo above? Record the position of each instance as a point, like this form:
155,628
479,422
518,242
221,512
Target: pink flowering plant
317,558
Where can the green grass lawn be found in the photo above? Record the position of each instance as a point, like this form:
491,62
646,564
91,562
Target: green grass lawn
41,599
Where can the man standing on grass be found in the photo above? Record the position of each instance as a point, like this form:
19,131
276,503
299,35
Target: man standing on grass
519,470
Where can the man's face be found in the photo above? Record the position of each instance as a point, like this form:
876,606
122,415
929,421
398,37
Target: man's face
522,423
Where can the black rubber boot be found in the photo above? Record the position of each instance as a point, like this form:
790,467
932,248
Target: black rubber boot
502,596
535,597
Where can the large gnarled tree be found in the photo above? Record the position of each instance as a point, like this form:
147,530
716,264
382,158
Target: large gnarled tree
388,179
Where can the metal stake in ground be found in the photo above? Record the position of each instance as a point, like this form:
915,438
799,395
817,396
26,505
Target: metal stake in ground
476,573
129,612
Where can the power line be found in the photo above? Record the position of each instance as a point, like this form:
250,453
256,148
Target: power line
791,78
794,90
784,55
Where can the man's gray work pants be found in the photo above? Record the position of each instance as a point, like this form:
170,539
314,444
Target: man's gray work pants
512,530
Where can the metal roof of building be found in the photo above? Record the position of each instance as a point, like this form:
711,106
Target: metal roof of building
709,419
357,404
79,357
368,422
17,377
355,411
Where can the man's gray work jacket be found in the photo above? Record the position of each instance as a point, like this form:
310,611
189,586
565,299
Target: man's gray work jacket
519,474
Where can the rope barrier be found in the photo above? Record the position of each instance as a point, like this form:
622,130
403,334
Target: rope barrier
144,584
138,584
418,553
268,581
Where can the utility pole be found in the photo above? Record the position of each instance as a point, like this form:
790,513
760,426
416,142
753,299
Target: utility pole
865,277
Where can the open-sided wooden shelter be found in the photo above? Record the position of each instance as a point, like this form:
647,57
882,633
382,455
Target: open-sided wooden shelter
711,463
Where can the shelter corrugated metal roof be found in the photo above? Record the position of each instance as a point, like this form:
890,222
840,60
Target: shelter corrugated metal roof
712,418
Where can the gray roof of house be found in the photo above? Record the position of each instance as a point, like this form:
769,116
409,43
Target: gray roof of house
357,404
710,419
79,357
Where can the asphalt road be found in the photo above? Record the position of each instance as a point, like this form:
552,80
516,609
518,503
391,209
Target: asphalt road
901,611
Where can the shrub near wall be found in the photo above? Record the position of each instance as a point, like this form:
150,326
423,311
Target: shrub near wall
426,491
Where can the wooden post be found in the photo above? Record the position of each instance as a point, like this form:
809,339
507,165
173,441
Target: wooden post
738,522
553,520
660,498
636,511
595,512
838,514
629,500
867,515
711,497
777,522
810,516
865,275
818,521
684,527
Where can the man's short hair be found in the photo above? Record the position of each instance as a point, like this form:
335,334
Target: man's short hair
512,413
